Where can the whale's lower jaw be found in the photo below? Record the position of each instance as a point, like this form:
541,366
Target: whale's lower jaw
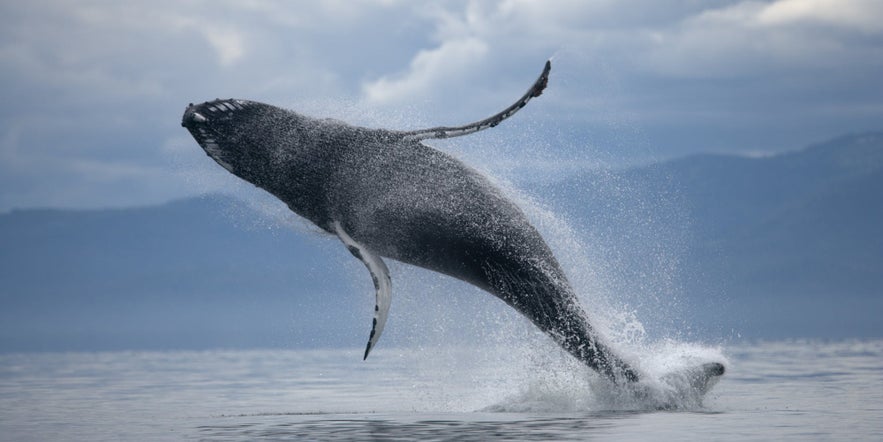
211,147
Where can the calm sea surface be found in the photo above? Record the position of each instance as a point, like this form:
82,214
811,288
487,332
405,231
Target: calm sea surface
798,390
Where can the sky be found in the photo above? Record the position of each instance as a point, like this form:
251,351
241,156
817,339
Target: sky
93,91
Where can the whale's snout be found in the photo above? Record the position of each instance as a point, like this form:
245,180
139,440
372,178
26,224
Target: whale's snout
192,116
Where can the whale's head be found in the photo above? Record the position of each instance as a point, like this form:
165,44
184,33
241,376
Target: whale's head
218,126
244,137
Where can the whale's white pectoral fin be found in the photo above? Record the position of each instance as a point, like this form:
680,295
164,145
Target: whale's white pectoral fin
382,284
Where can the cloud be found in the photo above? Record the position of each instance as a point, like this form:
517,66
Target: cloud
94,88
104,82
227,42
220,33
714,40
751,38
858,15
428,71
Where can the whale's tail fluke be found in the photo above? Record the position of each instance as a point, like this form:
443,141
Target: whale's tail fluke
685,388
447,132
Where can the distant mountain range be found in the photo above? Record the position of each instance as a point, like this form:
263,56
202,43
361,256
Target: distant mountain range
197,273
781,246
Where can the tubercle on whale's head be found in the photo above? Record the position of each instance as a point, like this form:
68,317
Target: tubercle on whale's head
219,128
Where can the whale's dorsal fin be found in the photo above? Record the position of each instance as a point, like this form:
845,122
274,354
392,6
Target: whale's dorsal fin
447,132
382,284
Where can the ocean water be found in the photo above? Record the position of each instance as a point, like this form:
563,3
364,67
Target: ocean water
797,390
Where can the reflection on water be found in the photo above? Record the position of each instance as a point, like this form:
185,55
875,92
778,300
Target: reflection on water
459,426
774,390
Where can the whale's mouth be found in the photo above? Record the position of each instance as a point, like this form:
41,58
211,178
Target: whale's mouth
204,121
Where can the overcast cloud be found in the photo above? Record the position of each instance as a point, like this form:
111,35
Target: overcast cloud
93,91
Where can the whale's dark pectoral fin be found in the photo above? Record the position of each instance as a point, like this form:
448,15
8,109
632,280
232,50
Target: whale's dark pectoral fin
447,132
382,284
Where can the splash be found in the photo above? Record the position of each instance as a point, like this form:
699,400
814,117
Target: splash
518,369
674,380
545,379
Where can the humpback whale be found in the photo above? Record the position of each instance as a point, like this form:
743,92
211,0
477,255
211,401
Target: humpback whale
386,194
